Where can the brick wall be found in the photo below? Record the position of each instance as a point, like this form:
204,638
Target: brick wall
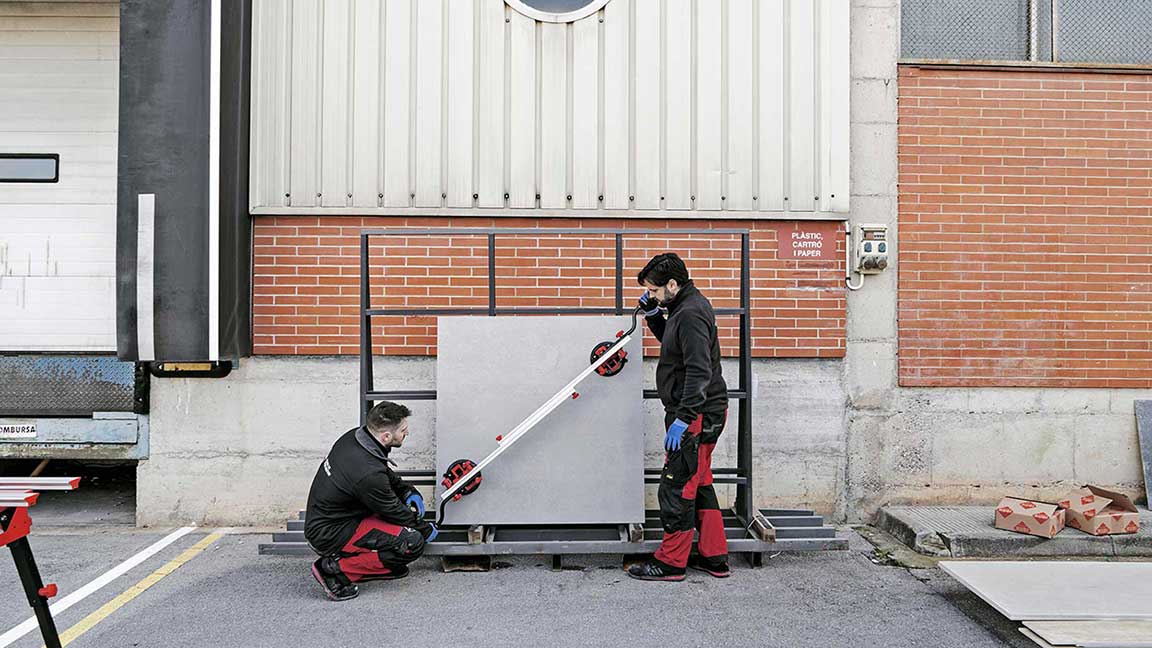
306,280
1025,238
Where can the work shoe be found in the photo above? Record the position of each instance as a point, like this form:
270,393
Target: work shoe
394,573
716,569
654,570
336,585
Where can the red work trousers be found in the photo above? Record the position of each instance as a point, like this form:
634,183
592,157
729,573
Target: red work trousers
687,498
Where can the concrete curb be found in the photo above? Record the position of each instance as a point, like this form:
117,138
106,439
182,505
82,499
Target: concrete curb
967,532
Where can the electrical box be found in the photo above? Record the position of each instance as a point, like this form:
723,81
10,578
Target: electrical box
870,248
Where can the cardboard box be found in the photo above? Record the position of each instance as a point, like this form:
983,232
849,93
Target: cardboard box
1042,519
1100,512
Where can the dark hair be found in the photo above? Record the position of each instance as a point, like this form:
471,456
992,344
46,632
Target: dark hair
663,267
386,415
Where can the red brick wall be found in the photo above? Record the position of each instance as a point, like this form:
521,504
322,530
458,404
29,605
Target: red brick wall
306,280
1025,240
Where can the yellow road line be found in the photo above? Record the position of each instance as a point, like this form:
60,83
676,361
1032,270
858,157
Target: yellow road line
88,622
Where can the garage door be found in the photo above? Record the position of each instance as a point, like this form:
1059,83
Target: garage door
58,79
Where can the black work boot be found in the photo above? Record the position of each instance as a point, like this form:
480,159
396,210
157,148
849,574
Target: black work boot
655,570
326,571
718,569
394,573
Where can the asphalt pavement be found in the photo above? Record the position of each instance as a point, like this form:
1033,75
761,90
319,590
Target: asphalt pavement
228,595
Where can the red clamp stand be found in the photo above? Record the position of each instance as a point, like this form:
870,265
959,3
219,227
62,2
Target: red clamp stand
16,495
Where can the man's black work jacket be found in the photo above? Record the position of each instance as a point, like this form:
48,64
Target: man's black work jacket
354,482
688,375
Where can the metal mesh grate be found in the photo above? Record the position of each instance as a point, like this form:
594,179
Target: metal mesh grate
65,386
1069,31
963,29
1104,31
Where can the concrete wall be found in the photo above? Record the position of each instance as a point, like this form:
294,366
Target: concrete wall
242,450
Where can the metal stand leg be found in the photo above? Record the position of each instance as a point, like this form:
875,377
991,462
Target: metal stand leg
30,578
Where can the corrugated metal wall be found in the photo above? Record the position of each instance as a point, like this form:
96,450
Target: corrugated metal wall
388,106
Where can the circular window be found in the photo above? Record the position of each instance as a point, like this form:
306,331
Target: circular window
559,11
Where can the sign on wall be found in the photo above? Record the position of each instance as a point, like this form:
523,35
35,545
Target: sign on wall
808,241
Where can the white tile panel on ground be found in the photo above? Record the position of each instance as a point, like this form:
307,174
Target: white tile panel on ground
1130,632
1052,590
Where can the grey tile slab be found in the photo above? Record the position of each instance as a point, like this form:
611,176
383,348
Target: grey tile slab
1128,632
583,464
1036,639
1051,590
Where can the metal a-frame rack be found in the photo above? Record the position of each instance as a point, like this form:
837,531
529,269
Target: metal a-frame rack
750,531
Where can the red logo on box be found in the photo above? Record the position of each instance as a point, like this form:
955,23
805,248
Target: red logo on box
1132,527
1087,499
1074,523
1027,505
1041,517
1117,516
1022,528
1103,528
1090,513
1064,503
1004,511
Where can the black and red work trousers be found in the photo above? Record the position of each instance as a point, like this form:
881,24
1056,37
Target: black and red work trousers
687,498
378,548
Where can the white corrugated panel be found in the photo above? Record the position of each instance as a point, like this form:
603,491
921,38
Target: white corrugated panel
585,114
740,129
553,116
429,102
646,100
522,130
399,127
306,50
367,20
59,76
773,154
461,61
336,104
678,104
471,106
709,101
801,133
617,177
835,87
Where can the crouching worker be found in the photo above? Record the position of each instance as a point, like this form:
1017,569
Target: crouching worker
362,519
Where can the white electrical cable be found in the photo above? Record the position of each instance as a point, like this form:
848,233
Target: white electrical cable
848,263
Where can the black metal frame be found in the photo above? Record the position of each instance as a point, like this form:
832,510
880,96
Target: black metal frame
741,475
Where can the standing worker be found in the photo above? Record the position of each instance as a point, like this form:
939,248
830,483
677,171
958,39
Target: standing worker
362,519
695,399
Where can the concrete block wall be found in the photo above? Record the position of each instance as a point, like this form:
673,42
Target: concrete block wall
242,450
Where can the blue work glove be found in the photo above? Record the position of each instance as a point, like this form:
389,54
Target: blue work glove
416,501
650,306
435,532
675,435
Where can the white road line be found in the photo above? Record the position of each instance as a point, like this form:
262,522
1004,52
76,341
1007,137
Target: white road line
8,638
